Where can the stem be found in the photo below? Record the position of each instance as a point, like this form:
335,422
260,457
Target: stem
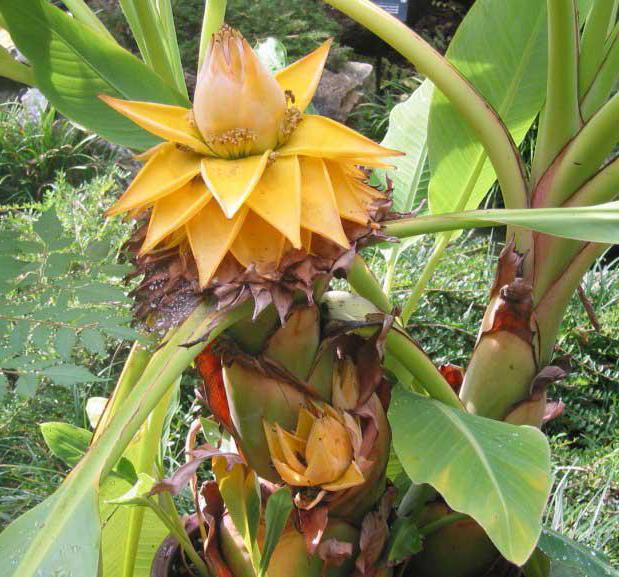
592,44
416,362
365,284
214,15
412,303
560,119
585,154
82,12
603,187
604,80
484,121
181,536
390,267
414,499
444,521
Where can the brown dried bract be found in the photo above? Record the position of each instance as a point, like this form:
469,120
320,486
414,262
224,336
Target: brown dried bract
169,289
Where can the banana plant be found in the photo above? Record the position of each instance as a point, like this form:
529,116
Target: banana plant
319,402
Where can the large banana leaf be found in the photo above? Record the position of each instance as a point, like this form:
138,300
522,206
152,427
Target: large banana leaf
408,133
598,223
497,473
73,65
132,535
500,47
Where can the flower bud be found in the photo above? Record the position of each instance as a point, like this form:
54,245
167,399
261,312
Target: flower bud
239,108
320,452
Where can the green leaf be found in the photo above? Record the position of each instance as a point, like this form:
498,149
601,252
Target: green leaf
93,341
276,516
138,492
500,47
40,336
58,264
100,293
599,223
66,441
73,65
48,227
404,541
64,342
68,540
408,133
571,559
17,338
241,494
70,518
26,385
68,375
211,431
497,473
11,68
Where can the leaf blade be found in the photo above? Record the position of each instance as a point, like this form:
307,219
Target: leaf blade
462,456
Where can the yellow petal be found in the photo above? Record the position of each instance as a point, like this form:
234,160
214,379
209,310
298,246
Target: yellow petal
148,154
326,138
352,204
277,198
171,123
328,452
291,447
302,77
319,211
258,242
167,171
270,432
173,211
232,181
305,420
290,476
210,236
351,478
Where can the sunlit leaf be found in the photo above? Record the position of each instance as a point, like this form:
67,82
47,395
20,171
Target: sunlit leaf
73,65
500,47
66,441
499,474
276,516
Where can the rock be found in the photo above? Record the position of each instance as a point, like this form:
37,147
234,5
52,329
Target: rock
339,92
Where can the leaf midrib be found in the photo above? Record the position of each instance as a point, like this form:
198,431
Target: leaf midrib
479,451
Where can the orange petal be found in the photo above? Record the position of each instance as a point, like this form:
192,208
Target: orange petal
351,478
173,211
232,181
325,138
210,236
302,77
290,476
319,211
277,198
352,204
173,123
168,170
258,242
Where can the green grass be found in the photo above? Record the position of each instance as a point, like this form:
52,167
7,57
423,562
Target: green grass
34,150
